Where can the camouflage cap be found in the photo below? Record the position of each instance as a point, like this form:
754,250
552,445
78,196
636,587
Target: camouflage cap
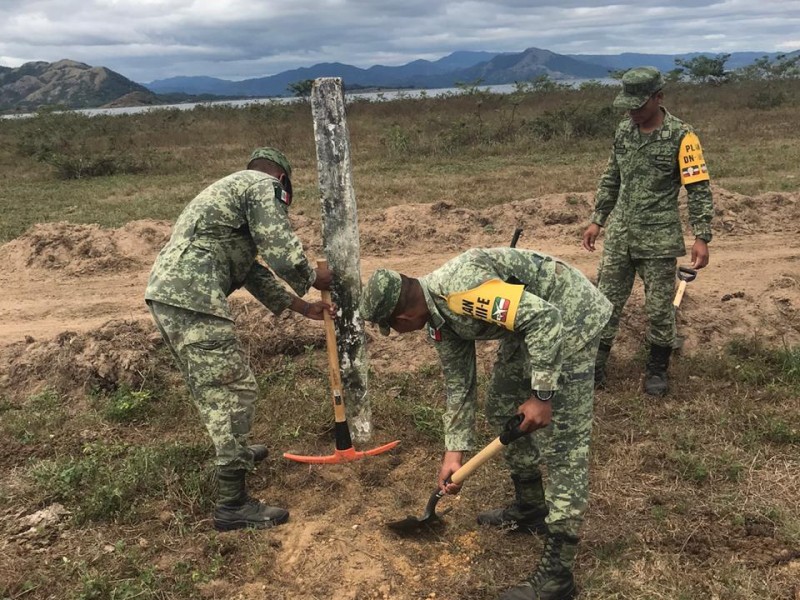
274,155
379,298
638,85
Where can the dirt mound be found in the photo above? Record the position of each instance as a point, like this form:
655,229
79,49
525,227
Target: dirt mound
85,249
124,352
737,214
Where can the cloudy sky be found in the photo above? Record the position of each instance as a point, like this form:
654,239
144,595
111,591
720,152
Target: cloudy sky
236,39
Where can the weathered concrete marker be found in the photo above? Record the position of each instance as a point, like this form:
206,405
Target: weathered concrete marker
341,243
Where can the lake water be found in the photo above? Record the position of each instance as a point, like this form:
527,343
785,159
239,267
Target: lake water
349,97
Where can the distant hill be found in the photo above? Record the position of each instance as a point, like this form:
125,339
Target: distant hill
66,83
491,67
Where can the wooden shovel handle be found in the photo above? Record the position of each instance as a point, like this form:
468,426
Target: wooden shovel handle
476,461
679,295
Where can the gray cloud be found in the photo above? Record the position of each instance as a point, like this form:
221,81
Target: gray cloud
235,39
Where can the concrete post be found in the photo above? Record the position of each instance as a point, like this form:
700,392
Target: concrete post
340,240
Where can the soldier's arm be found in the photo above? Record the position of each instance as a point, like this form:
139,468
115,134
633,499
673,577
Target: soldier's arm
266,289
696,180
458,365
277,244
540,323
607,191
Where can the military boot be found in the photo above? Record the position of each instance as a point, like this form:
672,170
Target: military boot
236,510
600,365
655,377
552,579
526,514
259,451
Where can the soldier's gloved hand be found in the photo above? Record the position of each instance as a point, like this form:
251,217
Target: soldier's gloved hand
537,413
450,464
324,278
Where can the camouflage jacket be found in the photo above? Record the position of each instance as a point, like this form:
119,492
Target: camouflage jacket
487,294
215,242
640,190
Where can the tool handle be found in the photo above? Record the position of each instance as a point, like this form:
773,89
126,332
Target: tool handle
334,374
515,237
477,461
512,432
679,294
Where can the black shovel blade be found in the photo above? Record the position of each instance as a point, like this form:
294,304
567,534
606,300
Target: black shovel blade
428,519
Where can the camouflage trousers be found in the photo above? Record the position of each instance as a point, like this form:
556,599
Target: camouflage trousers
615,281
214,366
563,446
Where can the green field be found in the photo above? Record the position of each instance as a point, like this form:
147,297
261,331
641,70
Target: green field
693,497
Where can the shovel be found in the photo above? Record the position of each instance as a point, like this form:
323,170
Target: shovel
429,517
685,274
344,451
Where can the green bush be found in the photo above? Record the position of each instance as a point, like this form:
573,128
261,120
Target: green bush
79,146
109,481
125,405
575,122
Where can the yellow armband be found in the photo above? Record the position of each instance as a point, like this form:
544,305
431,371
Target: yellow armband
690,159
494,301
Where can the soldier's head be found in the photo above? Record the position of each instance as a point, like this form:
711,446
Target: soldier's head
273,162
394,301
641,94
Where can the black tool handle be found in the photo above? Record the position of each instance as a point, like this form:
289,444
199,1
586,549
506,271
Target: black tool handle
515,237
512,431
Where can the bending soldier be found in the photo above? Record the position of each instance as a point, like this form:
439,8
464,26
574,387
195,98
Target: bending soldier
548,317
211,253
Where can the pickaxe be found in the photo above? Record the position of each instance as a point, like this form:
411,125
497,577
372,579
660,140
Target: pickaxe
344,451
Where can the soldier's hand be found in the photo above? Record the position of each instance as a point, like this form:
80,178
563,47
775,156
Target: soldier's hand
316,310
324,278
590,236
537,414
699,254
450,464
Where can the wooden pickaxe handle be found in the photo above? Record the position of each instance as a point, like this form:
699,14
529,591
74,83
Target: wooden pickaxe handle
334,374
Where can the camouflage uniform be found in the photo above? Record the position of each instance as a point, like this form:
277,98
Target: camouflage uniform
639,189
211,253
549,344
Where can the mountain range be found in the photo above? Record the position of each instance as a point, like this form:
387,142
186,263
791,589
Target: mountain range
77,85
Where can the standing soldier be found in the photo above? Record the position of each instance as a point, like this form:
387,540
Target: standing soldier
548,318
654,154
211,253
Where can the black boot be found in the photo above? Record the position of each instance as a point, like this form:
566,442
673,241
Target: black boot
259,451
526,514
236,510
552,579
600,365
655,377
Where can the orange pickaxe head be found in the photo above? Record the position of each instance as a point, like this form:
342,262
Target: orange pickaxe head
341,456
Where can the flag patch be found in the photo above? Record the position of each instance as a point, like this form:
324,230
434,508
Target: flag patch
500,309
434,334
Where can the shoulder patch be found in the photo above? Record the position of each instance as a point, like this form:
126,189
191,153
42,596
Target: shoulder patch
690,160
280,194
493,301
434,334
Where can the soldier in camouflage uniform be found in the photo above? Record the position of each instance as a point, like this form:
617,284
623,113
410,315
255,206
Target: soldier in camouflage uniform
211,253
548,317
654,154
